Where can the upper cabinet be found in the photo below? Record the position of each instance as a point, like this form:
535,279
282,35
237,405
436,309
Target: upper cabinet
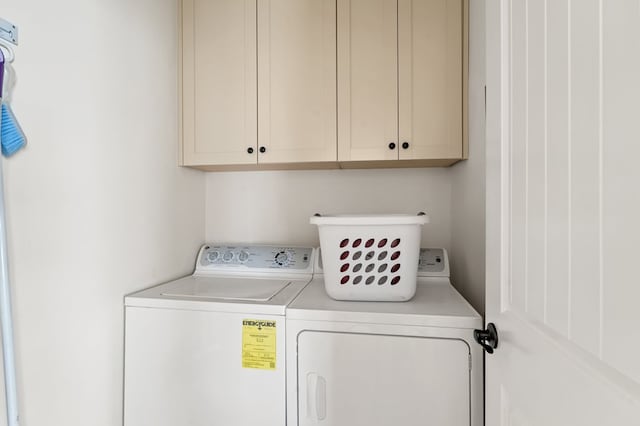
296,81
219,89
367,80
400,80
259,81
321,83
430,79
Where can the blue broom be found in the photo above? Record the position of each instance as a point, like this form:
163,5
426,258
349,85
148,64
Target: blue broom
12,137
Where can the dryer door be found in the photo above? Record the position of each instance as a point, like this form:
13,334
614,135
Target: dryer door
381,380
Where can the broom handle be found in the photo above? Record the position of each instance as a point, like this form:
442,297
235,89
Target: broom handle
11,392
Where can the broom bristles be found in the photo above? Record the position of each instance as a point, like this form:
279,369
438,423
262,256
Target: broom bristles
12,137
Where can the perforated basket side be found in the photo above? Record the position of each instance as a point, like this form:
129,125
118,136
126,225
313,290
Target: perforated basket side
370,262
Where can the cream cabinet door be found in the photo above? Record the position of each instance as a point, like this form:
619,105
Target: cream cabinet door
367,80
296,81
219,93
430,78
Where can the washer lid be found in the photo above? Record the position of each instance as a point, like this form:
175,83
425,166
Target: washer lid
225,288
250,294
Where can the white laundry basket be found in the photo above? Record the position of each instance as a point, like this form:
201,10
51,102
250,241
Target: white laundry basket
370,257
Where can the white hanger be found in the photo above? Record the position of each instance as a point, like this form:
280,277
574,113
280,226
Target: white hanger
9,55
9,74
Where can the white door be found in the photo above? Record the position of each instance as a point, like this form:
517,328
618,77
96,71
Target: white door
379,380
563,202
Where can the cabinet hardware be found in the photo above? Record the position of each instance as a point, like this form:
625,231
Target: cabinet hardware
392,145
250,150
263,149
405,145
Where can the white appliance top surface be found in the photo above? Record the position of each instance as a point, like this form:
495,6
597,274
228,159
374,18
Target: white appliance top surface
258,295
226,288
235,278
436,304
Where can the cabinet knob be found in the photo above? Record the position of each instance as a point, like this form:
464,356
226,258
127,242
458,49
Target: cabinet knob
392,145
250,150
263,149
405,145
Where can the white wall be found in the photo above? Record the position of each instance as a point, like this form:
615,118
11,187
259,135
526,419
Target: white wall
275,206
468,178
97,206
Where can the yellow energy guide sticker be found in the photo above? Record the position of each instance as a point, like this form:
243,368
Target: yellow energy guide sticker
259,344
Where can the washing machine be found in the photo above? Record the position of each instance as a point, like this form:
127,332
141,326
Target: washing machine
209,349
411,363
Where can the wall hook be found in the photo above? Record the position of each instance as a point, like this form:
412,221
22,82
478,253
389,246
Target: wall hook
8,32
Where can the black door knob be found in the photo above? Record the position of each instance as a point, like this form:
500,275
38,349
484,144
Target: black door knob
263,149
488,338
250,150
392,145
405,145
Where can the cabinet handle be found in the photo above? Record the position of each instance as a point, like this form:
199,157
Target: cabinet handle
392,145
405,145
263,149
250,150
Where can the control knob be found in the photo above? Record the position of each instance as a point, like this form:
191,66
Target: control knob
243,256
282,258
227,256
212,256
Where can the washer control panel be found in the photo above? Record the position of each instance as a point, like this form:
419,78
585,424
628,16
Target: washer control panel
255,257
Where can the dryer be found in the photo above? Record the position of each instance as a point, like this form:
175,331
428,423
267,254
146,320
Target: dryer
409,363
210,348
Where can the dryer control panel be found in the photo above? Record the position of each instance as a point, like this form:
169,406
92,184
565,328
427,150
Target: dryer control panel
433,262
216,257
